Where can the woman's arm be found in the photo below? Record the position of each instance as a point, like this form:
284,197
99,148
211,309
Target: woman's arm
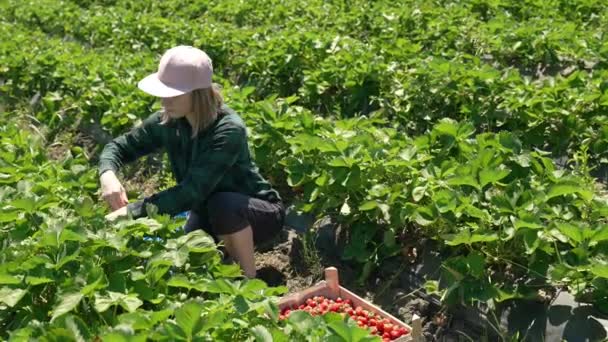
140,141
128,147
204,174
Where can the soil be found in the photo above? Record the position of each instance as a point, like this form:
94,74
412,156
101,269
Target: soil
62,143
57,151
144,177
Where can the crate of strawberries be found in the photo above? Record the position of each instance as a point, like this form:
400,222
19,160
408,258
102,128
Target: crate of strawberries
329,296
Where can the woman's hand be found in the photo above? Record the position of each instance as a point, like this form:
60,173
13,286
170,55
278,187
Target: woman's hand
122,212
112,191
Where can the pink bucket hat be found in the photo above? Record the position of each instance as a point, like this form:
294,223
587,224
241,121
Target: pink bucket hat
181,70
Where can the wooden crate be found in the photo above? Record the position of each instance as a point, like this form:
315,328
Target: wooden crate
330,288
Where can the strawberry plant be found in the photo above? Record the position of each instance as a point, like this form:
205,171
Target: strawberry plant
533,70
438,121
68,274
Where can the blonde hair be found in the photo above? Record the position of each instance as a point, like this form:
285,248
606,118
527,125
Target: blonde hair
206,103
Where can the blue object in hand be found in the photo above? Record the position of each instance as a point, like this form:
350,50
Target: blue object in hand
182,215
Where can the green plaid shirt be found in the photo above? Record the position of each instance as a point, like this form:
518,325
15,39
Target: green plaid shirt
217,160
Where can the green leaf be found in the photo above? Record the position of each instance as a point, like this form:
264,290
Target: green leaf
8,216
475,212
70,235
322,179
601,234
431,286
261,334
558,235
123,336
221,286
314,195
10,296
100,283
369,205
476,263
386,213
528,220
531,240
465,237
301,321
445,201
464,180
276,290
600,270
103,303
66,304
349,333
241,304
28,204
213,319
568,188
271,308
188,318
487,176
389,238
341,329
418,193
136,320
446,127
79,329
368,267
130,302
342,162
85,206
180,280
252,286
424,216
69,258
571,231
296,178
7,279
30,280
465,130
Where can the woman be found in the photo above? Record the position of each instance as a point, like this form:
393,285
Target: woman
207,146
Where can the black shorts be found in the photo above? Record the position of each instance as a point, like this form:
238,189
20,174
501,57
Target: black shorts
229,212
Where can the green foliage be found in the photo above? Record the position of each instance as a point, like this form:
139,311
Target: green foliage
437,120
67,274
537,69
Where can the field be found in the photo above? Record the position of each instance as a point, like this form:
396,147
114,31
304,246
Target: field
479,127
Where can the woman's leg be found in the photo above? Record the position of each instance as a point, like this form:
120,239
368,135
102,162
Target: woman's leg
193,222
240,246
241,222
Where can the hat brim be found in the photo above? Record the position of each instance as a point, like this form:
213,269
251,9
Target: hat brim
153,86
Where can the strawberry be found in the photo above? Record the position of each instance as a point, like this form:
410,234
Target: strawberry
395,334
377,325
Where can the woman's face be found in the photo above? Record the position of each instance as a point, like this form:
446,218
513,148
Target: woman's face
178,106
